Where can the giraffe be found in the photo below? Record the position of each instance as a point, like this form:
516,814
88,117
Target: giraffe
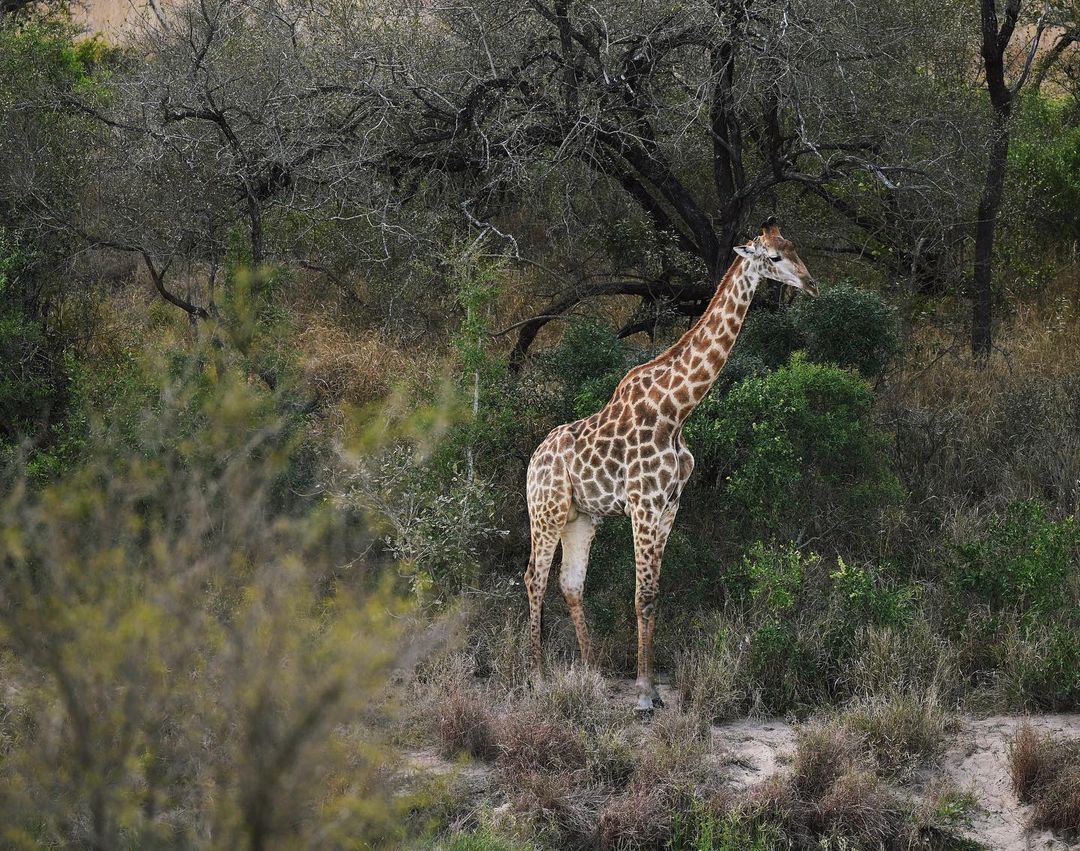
629,458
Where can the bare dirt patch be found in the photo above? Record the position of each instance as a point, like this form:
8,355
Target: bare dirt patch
748,751
978,760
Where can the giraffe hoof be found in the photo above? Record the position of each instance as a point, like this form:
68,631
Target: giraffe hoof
644,714
658,702
645,706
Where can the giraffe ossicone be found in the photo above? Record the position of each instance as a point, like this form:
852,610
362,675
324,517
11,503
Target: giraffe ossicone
629,458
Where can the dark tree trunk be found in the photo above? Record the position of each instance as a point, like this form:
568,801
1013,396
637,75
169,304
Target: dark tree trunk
258,244
982,297
995,42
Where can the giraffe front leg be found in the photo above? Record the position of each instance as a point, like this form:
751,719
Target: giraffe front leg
650,536
645,603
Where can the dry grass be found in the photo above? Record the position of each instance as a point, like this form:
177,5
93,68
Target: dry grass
970,437
576,693
1058,805
637,819
714,677
356,367
564,813
529,742
909,659
823,753
465,725
1046,773
856,804
903,730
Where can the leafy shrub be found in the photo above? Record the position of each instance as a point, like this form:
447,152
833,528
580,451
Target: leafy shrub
866,596
1022,568
795,450
433,520
740,366
1024,560
32,381
188,659
785,667
588,363
850,327
1045,159
770,337
776,576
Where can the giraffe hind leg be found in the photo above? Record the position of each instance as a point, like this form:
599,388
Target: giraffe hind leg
577,537
549,497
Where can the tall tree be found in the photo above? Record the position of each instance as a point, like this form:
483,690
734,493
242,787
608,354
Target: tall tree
996,35
702,115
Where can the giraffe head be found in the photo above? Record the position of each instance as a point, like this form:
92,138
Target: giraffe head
778,259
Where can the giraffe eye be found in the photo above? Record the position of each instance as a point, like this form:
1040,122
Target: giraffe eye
775,258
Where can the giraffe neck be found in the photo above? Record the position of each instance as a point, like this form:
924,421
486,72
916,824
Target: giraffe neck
695,361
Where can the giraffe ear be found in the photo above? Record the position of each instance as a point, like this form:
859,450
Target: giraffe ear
748,251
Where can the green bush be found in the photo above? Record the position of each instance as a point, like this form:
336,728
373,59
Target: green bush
850,327
182,658
770,337
32,381
795,450
589,362
1024,561
1045,159
867,596
434,520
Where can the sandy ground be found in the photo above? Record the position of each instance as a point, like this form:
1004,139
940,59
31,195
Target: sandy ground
111,18
978,760
750,750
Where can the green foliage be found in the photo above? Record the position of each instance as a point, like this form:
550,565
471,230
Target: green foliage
586,366
434,520
869,598
1013,604
850,327
1023,561
185,659
588,350
484,839
701,828
1044,158
31,382
795,450
776,576
490,430
771,337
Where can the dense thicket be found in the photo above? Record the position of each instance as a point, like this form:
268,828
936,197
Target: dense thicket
290,291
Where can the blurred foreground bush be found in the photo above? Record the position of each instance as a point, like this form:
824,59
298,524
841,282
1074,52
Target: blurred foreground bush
185,663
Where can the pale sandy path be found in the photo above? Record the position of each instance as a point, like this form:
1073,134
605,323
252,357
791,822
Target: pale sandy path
978,760
748,751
